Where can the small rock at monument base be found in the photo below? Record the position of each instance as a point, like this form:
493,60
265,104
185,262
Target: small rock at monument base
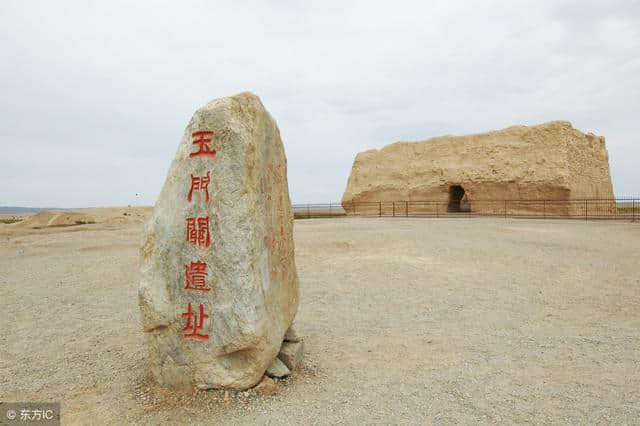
277,369
267,386
291,335
291,354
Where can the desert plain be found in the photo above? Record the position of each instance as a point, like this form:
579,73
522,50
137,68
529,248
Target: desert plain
405,320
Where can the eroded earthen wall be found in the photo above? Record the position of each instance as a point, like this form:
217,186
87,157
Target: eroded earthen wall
551,161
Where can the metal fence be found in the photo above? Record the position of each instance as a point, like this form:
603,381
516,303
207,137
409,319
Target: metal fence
587,209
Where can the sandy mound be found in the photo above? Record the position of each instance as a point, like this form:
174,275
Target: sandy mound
50,218
105,215
119,215
124,219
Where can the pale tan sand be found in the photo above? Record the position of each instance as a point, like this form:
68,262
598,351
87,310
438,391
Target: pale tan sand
63,218
405,321
54,218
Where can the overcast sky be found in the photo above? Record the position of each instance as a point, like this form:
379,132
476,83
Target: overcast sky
95,95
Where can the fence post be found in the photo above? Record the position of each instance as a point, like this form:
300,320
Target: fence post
308,212
544,208
585,210
380,209
394,209
633,210
330,213
406,209
505,209
437,208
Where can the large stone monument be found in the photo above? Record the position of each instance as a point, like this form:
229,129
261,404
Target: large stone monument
218,282
551,161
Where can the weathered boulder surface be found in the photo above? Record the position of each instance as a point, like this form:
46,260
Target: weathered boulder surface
218,282
551,161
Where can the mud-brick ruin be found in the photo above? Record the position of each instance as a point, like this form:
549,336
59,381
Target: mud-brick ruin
551,166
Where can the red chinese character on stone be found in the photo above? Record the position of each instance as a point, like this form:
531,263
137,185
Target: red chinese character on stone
198,231
203,140
195,276
195,323
200,183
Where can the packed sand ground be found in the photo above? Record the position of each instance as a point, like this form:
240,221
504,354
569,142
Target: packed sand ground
405,321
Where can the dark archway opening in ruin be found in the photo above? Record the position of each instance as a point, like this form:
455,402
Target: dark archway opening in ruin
457,200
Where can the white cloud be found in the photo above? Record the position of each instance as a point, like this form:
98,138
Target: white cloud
97,94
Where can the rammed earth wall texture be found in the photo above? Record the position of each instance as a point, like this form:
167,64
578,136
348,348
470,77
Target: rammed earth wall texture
550,161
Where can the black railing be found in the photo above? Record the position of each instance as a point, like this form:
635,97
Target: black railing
587,209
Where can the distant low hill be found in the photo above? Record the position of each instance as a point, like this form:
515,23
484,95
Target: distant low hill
25,210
